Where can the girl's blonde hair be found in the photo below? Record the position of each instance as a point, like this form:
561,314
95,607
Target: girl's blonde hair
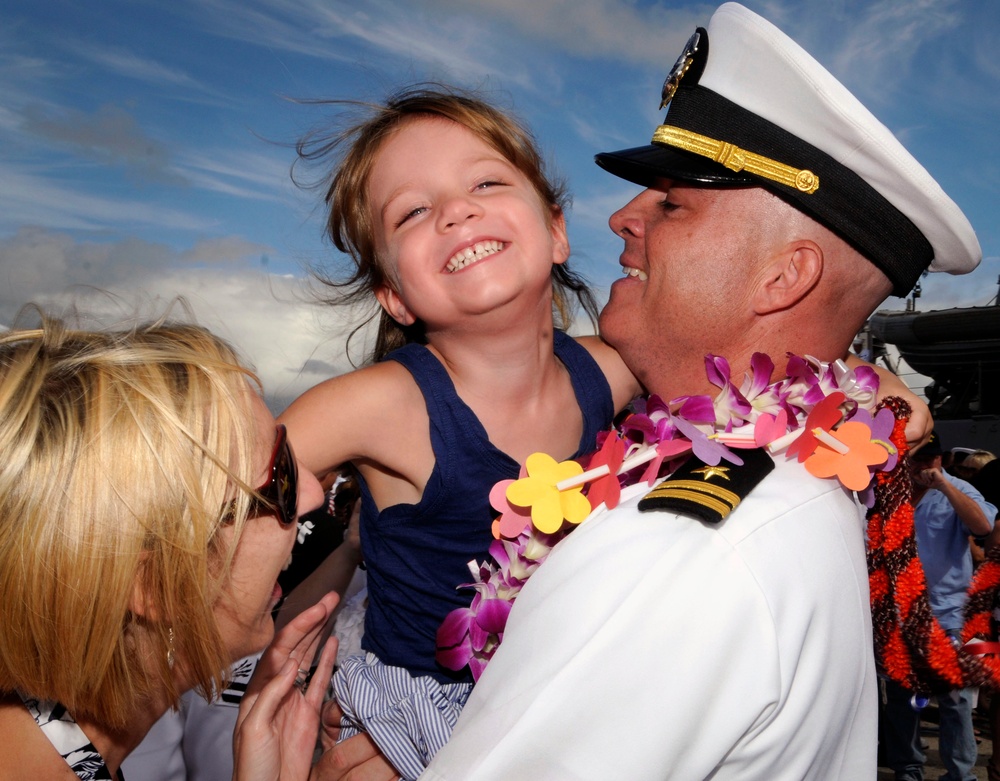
349,223
120,452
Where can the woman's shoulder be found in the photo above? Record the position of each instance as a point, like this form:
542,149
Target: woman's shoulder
27,752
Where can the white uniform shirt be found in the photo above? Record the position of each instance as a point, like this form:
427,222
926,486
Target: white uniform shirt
652,646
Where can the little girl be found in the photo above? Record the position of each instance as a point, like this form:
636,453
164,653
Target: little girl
443,204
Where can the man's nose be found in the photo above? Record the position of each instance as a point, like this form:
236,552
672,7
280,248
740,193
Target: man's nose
627,220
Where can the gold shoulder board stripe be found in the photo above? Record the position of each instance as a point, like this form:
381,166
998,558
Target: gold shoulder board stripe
704,500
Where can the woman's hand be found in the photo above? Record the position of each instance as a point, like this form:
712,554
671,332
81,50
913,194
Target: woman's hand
278,724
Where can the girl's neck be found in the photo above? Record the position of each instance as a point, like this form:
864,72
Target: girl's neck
512,356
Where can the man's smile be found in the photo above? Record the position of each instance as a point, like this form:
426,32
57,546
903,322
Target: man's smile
634,272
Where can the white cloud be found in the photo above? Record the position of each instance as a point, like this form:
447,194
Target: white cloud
31,196
123,62
597,29
242,173
292,342
442,40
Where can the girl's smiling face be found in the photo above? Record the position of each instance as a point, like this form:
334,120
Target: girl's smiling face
459,230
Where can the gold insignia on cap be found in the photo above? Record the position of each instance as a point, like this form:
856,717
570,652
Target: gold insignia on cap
736,159
673,80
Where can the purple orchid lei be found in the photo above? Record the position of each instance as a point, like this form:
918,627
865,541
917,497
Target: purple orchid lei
648,443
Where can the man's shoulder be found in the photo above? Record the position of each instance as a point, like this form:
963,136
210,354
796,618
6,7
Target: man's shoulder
787,490
790,504
788,495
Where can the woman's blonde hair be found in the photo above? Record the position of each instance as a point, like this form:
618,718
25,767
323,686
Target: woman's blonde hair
120,451
349,224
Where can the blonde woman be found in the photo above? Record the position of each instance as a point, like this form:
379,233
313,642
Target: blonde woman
147,504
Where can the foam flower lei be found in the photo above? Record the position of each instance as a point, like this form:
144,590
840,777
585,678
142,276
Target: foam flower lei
823,416
819,414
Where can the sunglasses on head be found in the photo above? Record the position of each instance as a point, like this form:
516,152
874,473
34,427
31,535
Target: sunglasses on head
279,495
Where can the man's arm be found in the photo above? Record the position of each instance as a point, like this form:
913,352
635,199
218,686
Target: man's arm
972,513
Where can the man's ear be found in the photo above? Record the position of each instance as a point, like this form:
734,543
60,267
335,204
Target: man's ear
789,277
393,305
560,239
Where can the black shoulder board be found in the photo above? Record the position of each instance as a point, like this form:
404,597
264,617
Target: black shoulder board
709,492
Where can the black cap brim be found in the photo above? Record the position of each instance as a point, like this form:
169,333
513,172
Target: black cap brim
644,165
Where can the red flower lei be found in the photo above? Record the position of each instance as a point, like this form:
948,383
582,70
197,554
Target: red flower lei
910,645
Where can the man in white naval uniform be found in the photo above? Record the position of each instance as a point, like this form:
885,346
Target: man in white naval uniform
657,645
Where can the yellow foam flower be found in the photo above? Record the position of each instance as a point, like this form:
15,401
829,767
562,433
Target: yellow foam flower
549,506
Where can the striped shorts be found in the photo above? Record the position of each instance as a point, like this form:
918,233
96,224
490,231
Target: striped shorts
409,718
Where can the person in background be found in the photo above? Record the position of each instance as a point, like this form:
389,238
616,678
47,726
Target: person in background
968,467
947,510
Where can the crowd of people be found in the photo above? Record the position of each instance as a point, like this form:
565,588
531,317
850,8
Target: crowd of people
950,514
711,617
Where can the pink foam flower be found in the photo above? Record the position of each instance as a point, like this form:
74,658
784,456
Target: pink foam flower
512,520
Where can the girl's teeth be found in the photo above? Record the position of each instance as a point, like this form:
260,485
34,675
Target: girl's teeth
471,254
634,272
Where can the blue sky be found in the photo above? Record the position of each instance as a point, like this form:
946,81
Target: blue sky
145,145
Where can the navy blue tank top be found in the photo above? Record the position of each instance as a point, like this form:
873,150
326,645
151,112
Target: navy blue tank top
417,554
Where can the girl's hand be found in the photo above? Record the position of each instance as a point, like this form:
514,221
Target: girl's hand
356,759
278,723
921,424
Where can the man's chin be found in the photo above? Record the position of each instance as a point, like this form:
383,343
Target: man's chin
611,325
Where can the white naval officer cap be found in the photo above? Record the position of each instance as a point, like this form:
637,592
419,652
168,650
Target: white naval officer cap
749,106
